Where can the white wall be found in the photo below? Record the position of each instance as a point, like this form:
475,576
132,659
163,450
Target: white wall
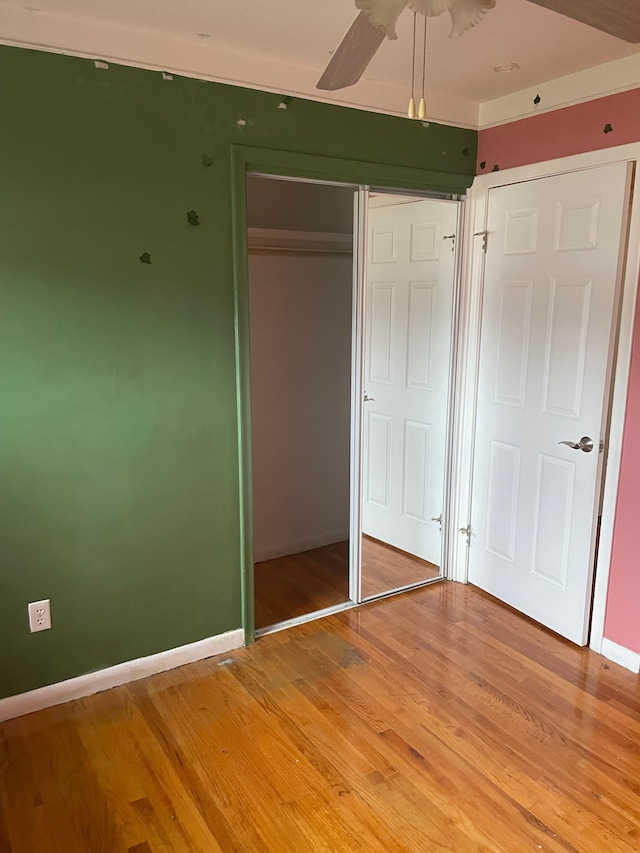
300,384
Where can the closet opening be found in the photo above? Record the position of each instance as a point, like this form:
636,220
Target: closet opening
352,305
300,238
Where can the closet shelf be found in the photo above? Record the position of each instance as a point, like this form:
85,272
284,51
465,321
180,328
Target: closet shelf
308,242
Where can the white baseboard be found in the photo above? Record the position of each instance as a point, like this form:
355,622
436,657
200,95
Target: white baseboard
297,546
620,655
114,676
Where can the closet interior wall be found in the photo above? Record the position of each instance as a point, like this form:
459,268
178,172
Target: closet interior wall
300,314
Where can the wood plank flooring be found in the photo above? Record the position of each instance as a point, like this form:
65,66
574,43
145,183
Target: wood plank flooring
291,586
385,568
297,584
437,720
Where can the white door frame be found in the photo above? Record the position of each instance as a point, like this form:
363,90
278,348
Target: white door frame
467,380
357,413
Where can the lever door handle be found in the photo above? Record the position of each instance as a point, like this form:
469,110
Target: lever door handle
369,399
585,444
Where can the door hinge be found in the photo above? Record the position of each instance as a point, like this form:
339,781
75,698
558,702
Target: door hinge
466,531
484,235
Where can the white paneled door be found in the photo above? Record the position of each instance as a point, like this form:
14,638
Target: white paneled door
550,288
408,314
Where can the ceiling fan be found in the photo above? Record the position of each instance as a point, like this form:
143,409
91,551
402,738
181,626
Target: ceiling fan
377,21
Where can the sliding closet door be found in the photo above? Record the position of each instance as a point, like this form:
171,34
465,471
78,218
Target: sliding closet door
300,287
409,284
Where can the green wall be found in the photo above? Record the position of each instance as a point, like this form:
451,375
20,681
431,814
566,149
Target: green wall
119,484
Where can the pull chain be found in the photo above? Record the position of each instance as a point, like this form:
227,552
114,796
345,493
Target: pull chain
422,109
411,112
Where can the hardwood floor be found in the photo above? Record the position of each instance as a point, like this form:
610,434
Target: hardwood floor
297,584
437,720
385,568
301,583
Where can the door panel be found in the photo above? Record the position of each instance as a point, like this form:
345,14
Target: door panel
379,460
551,273
502,500
566,347
407,339
381,340
415,475
421,334
513,332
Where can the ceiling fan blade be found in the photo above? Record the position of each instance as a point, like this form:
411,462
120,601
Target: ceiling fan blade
355,52
619,18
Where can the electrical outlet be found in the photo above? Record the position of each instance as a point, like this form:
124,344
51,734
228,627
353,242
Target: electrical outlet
40,615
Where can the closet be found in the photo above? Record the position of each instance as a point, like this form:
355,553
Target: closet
300,238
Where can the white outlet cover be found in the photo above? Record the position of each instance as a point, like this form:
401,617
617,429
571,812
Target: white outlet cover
40,615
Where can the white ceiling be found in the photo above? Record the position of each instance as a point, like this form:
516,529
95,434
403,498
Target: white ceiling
285,44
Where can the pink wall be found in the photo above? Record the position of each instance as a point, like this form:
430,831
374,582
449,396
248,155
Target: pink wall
574,130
